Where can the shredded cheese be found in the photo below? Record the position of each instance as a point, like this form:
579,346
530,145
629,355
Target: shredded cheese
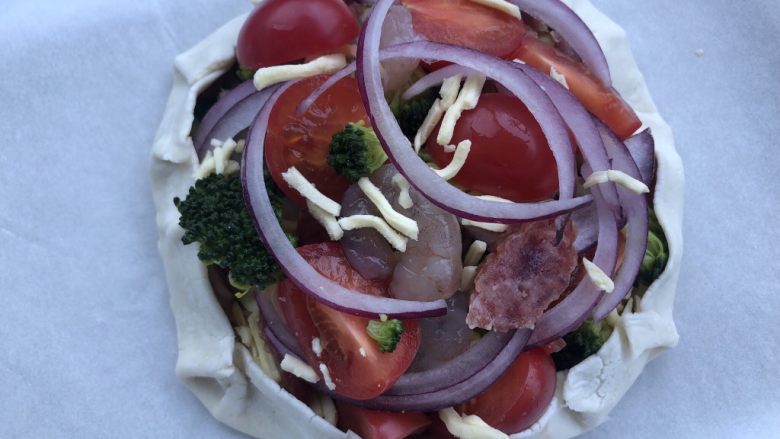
449,148
240,145
362,221
490,227
222,153
295,366
468,427
619,177
297,181
403,224
501,5
328,221
598,277
404,200
362,351
475,252
275,74
429,123
449,91
206,167
558,76
382,317
231,166
467,100
467,277
316,346
326,376
458,160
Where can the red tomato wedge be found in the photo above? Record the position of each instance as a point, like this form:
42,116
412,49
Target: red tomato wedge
604,102
303,140
520,397
509,155
343,335
372,424
465,23
283,31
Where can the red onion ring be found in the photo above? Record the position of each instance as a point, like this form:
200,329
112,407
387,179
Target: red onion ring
573,30
399,149
641,146
430,401
635,211
217,112
274,322
296,268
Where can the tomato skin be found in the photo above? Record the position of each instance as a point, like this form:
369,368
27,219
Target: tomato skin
342,335
373,424
604,102
303,140
282,31
467,24
509,155
520,396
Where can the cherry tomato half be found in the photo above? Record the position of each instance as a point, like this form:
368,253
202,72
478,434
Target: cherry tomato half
282,31
509,155
604,102
373,424
303,140
343,335
520,396
467,24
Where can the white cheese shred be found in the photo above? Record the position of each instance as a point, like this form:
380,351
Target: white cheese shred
362,351
619,177
403,224
475,252
404,200
206,167
429,123
362,221
467,100
222,153
558,76
275,74
328,221
295,366
449,91
468,427
458,160
326,376
297,181
467,277
598,277
316,346
501,5
231,166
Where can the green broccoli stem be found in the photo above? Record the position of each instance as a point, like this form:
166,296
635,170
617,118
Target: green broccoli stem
582,343
355,152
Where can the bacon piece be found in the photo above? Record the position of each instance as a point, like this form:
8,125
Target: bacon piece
529,269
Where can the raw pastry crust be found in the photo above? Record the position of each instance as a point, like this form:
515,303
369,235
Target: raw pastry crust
222,373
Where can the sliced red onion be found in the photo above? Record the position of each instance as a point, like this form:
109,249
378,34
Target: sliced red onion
435,78
569,313
456,370
455,394
330,82
217,112
418,173
296,268
586,222
641,146
274,322
573,30
635,211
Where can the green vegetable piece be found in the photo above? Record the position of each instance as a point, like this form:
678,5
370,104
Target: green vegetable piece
355,152
411,114
244,73
656,254
387,333
582,343
215,216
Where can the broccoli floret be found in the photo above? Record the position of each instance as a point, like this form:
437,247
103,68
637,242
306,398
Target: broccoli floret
355,151
387,333
582,343
656,254
244,73
411,114
214,215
